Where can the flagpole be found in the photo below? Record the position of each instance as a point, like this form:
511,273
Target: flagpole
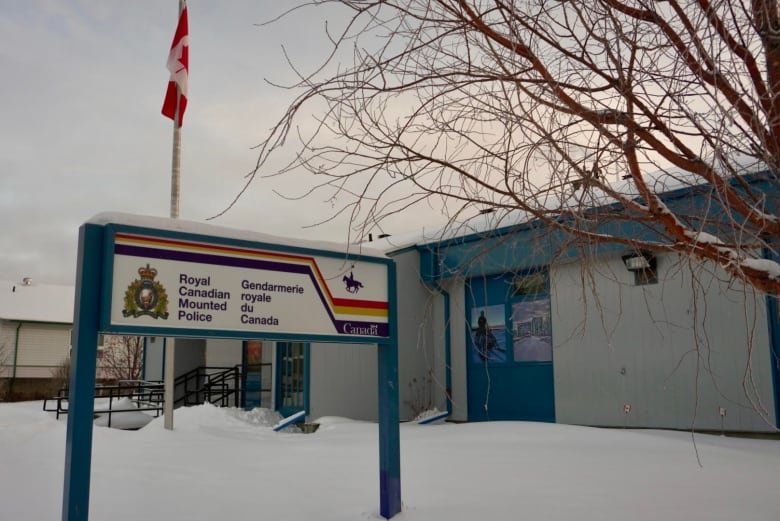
170,344
176,163
176,155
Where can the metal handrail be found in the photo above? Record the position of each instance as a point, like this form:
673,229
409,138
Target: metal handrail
217,385
147,395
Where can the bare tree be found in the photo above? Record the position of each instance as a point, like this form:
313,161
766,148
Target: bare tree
122,357
578,113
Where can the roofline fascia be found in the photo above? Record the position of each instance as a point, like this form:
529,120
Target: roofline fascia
675,194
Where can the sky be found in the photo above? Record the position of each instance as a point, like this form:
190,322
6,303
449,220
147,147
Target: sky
82,86
229,464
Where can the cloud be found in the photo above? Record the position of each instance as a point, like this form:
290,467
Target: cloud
83,83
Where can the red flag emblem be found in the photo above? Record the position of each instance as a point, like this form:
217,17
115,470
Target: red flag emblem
178,64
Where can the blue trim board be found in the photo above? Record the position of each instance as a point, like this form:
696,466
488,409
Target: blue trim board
534,244
241,335
434,418
78,440
306,375
389,418
286,422
447,350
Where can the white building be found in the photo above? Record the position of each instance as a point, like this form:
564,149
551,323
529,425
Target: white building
35,333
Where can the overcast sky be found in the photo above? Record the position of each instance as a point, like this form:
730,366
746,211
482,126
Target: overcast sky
80,96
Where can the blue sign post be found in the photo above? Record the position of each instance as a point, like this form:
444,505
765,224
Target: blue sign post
166,277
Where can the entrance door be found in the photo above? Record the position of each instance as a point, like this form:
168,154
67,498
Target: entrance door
510,366
253,376
292,382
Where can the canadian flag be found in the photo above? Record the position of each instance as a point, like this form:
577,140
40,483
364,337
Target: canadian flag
178,64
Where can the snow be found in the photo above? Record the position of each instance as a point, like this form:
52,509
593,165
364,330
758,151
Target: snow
229,464
772,268
36,302
128,418
199,228
703,237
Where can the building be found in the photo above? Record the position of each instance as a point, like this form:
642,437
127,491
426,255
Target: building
510,324
35,334
595,336
515,323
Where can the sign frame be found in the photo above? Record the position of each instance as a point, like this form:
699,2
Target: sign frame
112,230
94,285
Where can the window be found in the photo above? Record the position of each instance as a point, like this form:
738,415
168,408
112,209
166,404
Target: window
529,284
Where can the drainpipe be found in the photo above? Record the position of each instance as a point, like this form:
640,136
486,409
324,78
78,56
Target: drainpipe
447,345
16,357
447,349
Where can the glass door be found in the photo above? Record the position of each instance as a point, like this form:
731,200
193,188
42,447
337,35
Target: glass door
292,377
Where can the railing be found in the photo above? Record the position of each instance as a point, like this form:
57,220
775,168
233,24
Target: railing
221,386
148,397
217,385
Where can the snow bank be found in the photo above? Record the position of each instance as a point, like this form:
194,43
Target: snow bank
229,464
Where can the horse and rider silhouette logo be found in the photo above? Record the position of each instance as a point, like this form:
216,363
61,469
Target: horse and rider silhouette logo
351,283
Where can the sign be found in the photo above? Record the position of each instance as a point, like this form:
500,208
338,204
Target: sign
163,281
150,276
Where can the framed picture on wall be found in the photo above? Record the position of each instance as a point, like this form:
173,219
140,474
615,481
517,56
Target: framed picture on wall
488,334
532,331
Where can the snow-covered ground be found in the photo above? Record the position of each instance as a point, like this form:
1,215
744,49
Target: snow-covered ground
226,464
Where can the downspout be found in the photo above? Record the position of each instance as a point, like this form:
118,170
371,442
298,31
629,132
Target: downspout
16,358
447,348
447,345
434,276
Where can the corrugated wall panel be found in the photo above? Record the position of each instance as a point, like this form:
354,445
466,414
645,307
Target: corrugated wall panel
343,381
674,358
343,378
458,346
43,344
417,355
7,343
223,352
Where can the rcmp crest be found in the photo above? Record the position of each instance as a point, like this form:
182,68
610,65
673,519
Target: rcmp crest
146,296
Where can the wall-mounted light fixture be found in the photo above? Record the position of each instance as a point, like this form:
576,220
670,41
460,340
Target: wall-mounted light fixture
639,261
644,267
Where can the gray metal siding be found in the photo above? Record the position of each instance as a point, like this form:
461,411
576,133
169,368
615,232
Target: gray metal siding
190,354
343,381
343,377
223,353
459,355
674,358
420,344
46,345
153,358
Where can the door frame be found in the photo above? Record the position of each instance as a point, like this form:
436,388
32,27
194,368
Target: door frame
281,351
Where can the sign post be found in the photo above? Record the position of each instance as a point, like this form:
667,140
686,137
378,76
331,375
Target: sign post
81,393
166,277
